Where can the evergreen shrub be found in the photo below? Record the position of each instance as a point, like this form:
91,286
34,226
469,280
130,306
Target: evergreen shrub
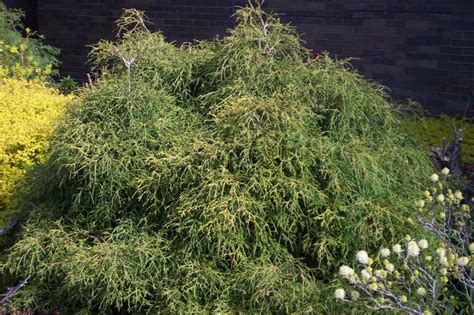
232,175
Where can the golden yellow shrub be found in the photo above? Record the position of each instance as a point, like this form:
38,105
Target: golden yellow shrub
29,111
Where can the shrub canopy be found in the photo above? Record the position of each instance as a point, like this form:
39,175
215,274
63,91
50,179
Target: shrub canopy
226,175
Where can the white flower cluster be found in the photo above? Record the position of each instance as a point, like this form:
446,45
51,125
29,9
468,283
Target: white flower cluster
412,275
398,280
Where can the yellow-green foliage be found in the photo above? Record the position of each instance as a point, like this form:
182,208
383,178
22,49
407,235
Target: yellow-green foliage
28,113
228,176
431,130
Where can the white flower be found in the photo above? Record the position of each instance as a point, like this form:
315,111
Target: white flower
441,251
434,178
384,252
458,195
339,294
362,257
463,261
421,203
423,244
445,171
440,198
390,267
346,271
397,249
413,249
471,248
365,274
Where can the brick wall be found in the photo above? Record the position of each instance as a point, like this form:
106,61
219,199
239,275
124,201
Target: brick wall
420,49
72,24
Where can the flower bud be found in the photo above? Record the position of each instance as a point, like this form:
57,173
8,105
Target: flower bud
355,295
372,286
421,291
379,273
440,198
458,195
397,249
444,261
390,268
423,244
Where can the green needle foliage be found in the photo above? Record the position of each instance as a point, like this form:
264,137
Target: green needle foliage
233,175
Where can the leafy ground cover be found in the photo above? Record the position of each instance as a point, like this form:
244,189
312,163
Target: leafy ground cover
429,131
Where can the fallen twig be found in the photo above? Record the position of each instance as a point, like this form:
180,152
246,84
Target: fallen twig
13,290
449,154
10,226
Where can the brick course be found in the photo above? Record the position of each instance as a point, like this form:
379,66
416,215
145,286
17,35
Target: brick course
420,49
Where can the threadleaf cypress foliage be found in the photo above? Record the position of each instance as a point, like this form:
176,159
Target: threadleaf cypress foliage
229,175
